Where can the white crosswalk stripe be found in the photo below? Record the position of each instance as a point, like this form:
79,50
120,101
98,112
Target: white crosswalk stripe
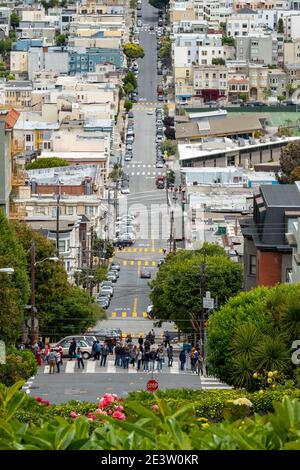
93,367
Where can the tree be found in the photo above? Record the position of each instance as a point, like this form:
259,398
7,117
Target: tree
47,162
165,50
62,308
130,79
128,105
280,26
267,92
169,146
170,178
14,288
61,40
289,160
168,121
5,47
218,61
14,20
128,88
175,293
103,248
290,89
253,332
243,96
228,41
159,4
170,133
116,172
133,51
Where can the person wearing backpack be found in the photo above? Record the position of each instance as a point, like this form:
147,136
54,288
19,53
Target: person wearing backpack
104,354
52,361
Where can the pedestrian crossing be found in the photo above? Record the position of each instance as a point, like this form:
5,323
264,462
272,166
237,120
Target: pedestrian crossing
139,250
93,367
122,313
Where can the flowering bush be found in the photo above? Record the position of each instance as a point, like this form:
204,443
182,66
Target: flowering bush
269,379
109,405
41,401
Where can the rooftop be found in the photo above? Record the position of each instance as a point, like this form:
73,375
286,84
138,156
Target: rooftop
70,175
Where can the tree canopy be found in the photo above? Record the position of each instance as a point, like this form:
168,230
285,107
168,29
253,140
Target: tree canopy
253,332
175,293
14,288
133,51
169,146
63,309
47,162
159,4
289,161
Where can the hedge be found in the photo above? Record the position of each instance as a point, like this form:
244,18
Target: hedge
19,365
208,404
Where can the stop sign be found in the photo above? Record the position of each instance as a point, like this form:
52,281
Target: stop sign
152,385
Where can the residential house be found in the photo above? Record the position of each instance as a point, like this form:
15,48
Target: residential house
277,82
210,82
267,253
256,47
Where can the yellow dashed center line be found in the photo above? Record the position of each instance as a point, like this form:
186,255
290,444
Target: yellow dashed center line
113,314
140,250
133,250
131,263
124,314
146,263
125,263
153,263
145,314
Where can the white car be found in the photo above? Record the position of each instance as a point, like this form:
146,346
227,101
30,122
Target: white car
159,138
139,23
107,290
150,113
125,190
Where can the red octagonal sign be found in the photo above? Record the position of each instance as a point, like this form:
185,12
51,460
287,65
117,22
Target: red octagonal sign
152,385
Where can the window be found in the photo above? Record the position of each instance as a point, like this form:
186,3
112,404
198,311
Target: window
28,138
69,210
252,265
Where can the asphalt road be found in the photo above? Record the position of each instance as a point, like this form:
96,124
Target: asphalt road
131,296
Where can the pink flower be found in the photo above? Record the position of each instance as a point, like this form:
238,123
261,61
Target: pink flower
101,412
106,400
119,415
119,408
45,402
155,408
39,399
73,414
109,412
115,396
91,419
91,415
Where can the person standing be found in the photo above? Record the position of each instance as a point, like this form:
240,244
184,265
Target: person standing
72,349
146,359
52,361
117,354
193,360
167,339
152,336
170,356
159,358
104,354
141,341
79,358
152,357
46,353
126,357
133,354
60,350
94,350
139,357
97,350
147,345
58,360
182,358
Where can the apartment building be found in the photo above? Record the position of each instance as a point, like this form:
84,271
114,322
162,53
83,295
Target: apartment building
210,82
277,82
261,48
18,94
4,21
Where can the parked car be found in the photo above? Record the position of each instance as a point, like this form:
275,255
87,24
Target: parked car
159,164
103,302
83,342
112,277
107,291
127,157
139,23
130,114
159,138
115,266
106,284
160,262
114,272
145,273
125,190
160,98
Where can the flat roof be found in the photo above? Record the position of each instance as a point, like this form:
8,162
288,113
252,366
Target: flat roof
76,155
283,195
70,175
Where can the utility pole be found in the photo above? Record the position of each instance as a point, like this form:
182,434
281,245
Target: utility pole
91,262
171,229
57,216
202,316
34,331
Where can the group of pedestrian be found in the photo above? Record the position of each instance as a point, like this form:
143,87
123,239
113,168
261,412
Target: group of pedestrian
101,351
195,358
144,356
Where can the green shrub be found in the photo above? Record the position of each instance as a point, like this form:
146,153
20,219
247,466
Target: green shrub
161,428
20,365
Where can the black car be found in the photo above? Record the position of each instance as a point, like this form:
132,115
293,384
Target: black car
130,114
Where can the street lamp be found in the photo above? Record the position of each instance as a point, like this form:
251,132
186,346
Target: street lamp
7,270
33,264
